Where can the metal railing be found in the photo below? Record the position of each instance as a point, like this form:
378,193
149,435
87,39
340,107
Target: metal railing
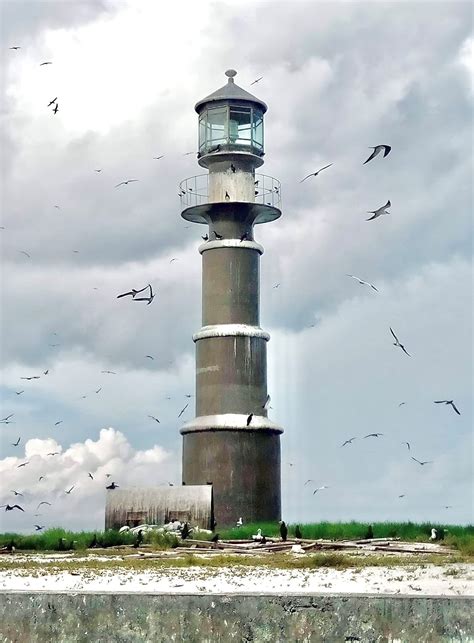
195,191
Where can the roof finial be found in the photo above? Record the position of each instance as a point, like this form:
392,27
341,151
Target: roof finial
230,73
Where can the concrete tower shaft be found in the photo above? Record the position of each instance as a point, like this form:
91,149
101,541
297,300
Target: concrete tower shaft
238,455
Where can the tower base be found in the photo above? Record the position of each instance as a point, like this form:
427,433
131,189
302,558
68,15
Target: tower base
244,469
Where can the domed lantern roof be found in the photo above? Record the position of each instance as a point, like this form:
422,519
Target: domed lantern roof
230,92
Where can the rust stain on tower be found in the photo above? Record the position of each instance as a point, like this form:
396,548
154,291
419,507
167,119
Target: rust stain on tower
241,458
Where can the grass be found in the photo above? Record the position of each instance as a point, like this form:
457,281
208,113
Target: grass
456,537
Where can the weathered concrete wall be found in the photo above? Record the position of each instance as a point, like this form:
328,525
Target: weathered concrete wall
27,617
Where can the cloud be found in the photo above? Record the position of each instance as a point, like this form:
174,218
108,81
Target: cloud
84,507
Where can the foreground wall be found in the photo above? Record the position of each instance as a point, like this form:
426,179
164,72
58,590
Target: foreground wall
35,617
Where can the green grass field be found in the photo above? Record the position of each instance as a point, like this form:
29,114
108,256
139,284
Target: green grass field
459,537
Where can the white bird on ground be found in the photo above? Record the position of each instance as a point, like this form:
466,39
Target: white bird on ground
362,282
434,534
239,522
124,529
258,535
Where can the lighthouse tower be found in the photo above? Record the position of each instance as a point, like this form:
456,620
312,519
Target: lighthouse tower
231,443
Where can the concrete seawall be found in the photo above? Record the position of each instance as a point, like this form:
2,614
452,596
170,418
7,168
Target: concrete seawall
83,617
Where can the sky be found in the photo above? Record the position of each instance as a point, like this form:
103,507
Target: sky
338,78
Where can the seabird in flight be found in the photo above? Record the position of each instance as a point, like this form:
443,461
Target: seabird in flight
43,502
348,442
15,444
56,107
69,490
397,343
154,418
372,435
23,464
267,403
377,149
90,476
362,282
11,507
46,63
450,402
132,292
183,410
422,463
408,445
379,212
256,81
52,102
109,372
39,527
320,488
17,493
112,485
126,182
316,173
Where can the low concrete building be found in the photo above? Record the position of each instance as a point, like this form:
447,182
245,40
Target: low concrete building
159,505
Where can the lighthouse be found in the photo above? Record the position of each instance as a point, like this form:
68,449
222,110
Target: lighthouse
231,444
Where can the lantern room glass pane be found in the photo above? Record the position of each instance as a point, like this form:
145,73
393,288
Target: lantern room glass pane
240,132
257,128
216,125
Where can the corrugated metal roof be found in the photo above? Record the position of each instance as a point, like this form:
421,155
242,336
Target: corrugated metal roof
231,91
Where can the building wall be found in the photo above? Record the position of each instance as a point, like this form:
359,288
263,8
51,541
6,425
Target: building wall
158,505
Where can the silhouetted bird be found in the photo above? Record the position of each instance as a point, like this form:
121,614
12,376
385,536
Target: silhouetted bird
377,149
232,167
369,533
11,507
185,531
52,102
215,539
449,402
316,173
379,212
46,63
397,343
283,530
55,110
139,539
245,237
205,237
249,419
39,527
126,182
227,196
132,292
112,486
217,235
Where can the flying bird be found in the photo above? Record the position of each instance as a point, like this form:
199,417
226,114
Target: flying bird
372,435
319,489
150,356
183,410
401,404
397,343
157,158
17,493
69,490
267,402
174,259
402,495
22,465
109,372
39,527
54,453
379,212
316,173
422,463
11,507
56,107
450,402
307,481
148,299
15,444
408,445
46,371
132,292
112,486
46,63
377,149
14,47
33,377
7,417
126,182
52,102
58,422
19,392
40,478
348,442
362,282
154,418
25,253
256,81
91,476
100,170
249,419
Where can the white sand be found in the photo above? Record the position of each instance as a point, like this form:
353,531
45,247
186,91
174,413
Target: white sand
447,580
